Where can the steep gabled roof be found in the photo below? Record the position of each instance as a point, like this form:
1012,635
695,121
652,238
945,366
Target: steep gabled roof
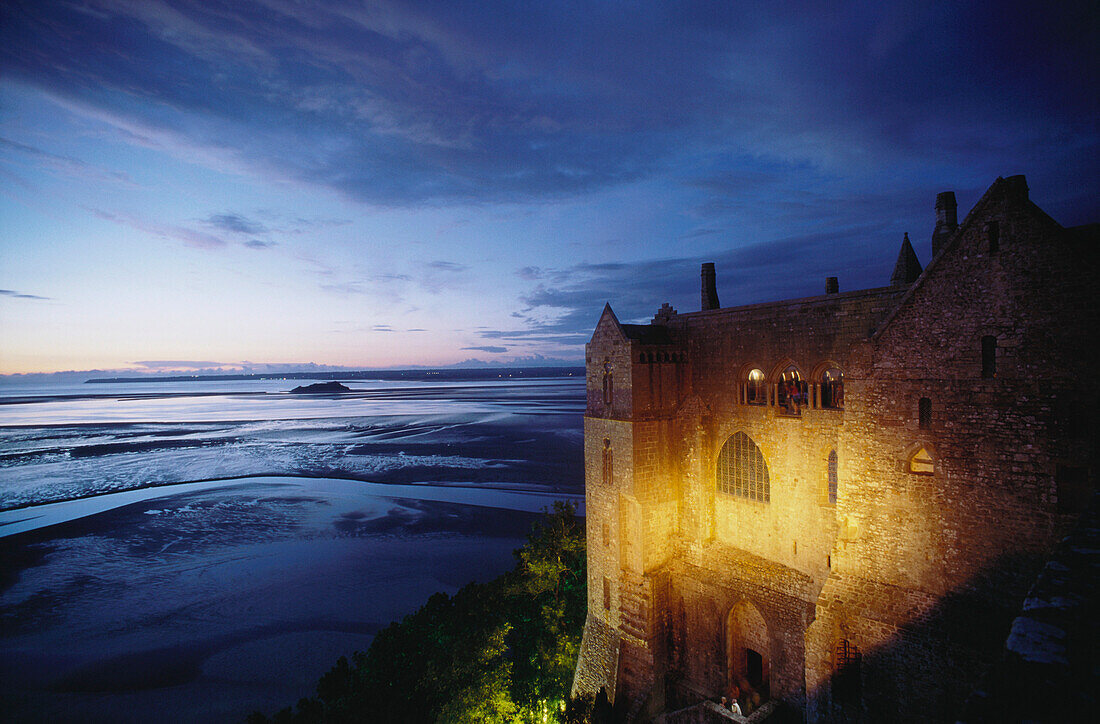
999,189
644,333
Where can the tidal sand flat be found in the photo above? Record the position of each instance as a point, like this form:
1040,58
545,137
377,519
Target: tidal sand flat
210,599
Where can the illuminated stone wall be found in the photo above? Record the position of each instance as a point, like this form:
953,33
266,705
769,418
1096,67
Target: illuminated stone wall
910,574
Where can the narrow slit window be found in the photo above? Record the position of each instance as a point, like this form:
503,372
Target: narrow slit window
993,236
832,477
989,357
924,413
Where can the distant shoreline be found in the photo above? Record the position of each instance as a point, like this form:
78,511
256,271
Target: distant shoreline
485,373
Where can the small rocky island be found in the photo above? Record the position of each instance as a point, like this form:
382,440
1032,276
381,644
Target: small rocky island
320,388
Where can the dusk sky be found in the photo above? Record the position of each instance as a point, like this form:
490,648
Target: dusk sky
199,185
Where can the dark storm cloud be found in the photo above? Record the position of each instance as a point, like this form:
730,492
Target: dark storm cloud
402,103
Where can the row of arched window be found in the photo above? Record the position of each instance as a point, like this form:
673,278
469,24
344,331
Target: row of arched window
790,391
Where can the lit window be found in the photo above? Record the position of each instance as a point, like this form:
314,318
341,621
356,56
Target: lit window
832,477
832,389
792,391
921,462
754,389
742,470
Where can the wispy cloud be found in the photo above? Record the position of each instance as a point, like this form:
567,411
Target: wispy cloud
446,266
235,223
189,237
487,348
66,165
21,295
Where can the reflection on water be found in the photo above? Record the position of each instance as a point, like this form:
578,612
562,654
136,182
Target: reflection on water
207,600
503,434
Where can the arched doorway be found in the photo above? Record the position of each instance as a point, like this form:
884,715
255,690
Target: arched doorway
748,655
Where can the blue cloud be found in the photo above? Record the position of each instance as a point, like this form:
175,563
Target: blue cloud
412,103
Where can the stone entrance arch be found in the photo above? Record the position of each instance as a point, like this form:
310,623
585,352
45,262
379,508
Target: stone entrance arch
748,650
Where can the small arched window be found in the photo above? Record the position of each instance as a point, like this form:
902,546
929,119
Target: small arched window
924,413
742,470
608,384
832,477
792,391
832,389
989,357
754,388
921,462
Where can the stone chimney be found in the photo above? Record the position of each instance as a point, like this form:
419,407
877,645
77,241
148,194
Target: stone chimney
832,286
709,293
1016,192
947,220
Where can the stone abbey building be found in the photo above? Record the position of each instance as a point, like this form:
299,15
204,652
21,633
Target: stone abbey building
838,503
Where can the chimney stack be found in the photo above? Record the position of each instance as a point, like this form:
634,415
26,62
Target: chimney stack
832,286
947,220
709,290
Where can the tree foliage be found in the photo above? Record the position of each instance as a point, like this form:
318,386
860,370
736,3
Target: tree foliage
500,651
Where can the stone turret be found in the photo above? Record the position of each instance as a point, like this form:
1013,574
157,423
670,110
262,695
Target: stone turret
908,267
709,293
947,220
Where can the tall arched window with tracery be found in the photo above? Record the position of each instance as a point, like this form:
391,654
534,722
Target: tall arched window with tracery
742,470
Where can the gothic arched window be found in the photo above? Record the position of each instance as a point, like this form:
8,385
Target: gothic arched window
742,470
754,388
832,389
